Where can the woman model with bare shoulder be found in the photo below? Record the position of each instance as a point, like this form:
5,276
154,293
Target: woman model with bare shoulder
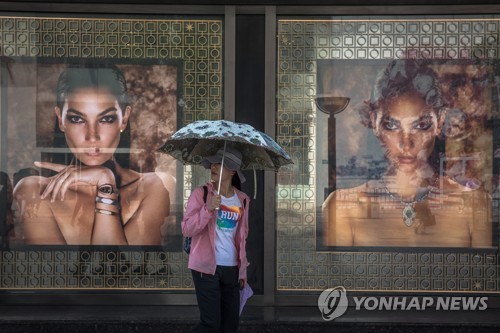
413,203
93,200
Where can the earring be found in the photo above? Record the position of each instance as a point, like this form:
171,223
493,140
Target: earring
121,130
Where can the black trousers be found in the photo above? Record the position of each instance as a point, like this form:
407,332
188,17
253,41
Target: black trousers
218,299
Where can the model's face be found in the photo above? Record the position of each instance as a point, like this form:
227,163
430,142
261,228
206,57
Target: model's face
91,120
407,128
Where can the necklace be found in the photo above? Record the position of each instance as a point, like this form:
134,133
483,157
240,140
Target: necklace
409,213
229,192
130,183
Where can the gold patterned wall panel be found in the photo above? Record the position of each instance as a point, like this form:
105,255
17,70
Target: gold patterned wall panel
194,46
197,42
305,47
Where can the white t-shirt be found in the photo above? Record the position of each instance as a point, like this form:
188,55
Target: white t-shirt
228,217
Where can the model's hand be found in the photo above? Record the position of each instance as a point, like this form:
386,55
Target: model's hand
73,175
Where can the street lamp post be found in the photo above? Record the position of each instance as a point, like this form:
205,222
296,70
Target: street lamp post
331,105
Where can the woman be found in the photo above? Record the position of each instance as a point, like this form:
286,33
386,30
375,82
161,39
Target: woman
93,200
411,204
218,225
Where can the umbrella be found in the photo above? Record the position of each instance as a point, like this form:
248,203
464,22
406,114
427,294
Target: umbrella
204,138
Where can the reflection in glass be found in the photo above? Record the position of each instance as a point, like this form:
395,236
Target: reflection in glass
416,200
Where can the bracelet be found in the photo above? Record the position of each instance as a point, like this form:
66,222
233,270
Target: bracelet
107,201
105,212
107,189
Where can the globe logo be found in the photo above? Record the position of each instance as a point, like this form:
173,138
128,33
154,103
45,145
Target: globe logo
332,303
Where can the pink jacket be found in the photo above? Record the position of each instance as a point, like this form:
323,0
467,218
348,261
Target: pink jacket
199,223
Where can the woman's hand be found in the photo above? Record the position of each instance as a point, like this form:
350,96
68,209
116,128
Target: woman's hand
243,282
214,202
73,175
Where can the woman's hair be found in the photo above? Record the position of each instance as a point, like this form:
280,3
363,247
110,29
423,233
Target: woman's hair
236,182
91,75
402,77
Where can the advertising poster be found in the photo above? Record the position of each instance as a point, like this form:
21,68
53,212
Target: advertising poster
410,153
83,166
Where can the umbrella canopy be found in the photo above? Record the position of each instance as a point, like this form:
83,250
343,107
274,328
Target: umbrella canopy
204,138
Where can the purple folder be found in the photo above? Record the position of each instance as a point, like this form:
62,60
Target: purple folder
245,294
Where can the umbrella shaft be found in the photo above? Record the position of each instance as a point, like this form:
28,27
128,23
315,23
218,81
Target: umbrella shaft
222,166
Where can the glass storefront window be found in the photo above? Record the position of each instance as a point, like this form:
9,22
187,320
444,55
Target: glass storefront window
391,124
88,201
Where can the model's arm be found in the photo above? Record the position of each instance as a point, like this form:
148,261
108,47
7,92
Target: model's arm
144,227
336,227
480,225
38,224
108,225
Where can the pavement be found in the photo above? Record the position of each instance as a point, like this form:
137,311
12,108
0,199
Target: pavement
180,318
